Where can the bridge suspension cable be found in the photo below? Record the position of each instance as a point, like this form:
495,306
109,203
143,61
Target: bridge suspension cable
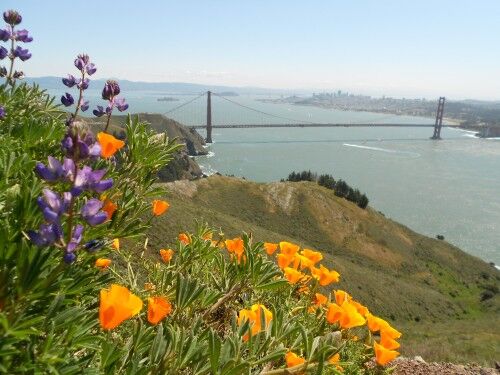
184,104
262,112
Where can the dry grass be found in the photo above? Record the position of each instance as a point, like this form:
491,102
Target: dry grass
427,286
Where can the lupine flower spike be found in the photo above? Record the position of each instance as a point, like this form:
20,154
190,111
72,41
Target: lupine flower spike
9,33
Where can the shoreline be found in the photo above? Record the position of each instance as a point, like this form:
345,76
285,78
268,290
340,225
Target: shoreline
449,121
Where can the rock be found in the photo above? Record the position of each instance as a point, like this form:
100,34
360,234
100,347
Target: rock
418,359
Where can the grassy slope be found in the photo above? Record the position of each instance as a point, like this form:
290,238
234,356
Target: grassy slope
426,286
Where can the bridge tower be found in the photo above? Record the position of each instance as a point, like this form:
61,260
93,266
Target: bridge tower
209,117
439,119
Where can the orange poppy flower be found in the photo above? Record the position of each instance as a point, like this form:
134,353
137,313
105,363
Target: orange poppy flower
351,317
109,207
288,248
334,313
363,310
346,314
158,309
109,144
383,355
390,331
159,207
325,276
102,263
166,255
184,238
388,342
320,299
270,247
292,275
334,359
284,260
341,297
255,318
236,246
116,244
302,261
117,304
293,359
313,256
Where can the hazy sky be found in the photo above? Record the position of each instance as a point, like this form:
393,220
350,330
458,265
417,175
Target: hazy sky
394,47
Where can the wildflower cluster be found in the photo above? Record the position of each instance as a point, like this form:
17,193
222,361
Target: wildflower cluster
77,203
110,93
9,33
85,68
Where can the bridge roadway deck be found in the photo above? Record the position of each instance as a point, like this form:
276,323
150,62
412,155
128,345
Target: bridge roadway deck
320,125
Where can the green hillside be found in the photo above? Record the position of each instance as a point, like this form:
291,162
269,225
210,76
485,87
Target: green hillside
431,289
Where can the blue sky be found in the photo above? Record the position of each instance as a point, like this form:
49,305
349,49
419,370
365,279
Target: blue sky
401,48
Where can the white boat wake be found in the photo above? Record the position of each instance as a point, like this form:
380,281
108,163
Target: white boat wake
383,149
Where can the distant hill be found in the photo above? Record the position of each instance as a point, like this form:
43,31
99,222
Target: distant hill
165,87
444,300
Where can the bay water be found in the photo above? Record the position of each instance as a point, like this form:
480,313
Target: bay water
449,187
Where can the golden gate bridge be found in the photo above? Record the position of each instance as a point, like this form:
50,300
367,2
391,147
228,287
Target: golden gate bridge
287,122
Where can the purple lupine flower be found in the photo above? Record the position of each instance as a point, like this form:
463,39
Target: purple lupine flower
5,35
67,144
76,238
22,36
81,61
2,112
23,54
52,205
69,258
109,108
110,90
67,99
3,53
99,111
83,84
55,170
70,81
51,172
85,144
92,213
12,17
84,105
91,69
120,104
95,150
3,71
87,179
47,234
94,245
18,74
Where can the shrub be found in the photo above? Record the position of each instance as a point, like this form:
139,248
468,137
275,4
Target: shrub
340,187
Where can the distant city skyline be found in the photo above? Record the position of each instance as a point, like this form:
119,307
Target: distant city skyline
393,48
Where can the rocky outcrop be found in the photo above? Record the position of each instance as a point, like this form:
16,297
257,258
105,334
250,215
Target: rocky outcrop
193,142
182,166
